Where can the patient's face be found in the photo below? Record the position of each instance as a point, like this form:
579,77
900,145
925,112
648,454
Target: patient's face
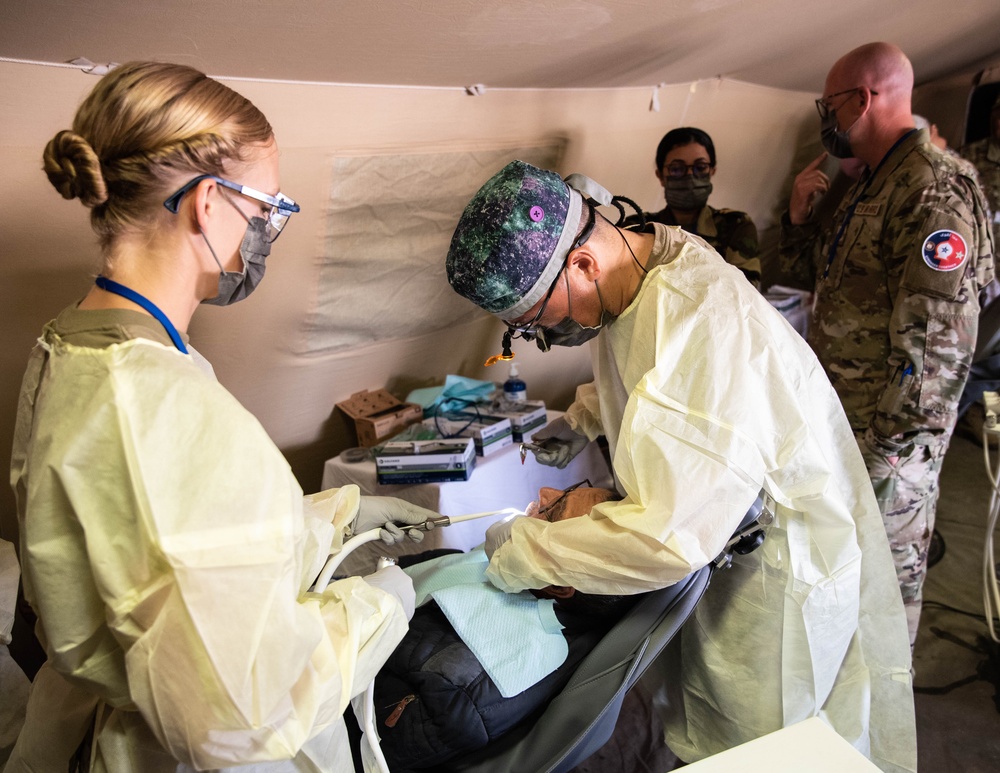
556,505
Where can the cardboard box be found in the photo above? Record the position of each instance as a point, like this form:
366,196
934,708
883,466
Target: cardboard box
378,415
489,433
524,417
425,461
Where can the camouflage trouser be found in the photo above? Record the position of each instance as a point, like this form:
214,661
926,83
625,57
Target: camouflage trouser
907,498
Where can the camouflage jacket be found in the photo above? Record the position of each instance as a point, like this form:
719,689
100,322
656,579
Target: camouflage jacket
898,276
985,156
731,233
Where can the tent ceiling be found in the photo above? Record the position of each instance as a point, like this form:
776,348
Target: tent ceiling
786,44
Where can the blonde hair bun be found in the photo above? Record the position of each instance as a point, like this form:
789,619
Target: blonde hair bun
74,169
144,130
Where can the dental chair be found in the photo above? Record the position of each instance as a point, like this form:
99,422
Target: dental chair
581,718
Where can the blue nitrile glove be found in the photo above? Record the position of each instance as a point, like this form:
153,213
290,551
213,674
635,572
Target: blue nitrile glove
497,534
561,443
394,580
385,512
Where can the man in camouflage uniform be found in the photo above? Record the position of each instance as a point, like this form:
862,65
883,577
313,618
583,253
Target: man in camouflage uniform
898,276
985,156
731,233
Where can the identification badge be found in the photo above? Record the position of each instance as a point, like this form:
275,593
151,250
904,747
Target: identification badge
944,250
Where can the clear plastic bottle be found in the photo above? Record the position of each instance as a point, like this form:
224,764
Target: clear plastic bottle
514,389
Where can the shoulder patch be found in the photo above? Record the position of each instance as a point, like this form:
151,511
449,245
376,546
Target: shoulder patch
944,250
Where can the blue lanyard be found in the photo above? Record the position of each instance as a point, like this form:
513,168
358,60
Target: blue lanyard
850,210
111,286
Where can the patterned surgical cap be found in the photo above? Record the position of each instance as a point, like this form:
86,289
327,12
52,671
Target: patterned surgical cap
512,239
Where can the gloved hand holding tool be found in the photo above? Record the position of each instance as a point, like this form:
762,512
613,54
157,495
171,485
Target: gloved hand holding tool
556,444
384,513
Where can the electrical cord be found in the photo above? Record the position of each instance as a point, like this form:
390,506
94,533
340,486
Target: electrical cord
991,589
452,410
988,668
617,202
948,608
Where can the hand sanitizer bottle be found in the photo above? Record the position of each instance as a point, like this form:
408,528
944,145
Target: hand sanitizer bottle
514,389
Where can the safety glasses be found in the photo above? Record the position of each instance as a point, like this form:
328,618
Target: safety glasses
823,105
282,207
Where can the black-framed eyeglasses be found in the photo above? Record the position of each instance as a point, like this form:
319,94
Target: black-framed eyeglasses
282,207
823,104
529,331
543,511
678,169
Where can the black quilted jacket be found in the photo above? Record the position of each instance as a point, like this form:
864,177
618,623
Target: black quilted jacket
435,703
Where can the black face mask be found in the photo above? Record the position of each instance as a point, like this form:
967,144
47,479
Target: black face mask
569,332
687,193
836,142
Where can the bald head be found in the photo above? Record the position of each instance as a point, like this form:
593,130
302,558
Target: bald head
881,67
876,84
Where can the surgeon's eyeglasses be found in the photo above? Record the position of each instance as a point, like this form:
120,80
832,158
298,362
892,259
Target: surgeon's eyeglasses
678,169
530,331
282,207
823,104
547,511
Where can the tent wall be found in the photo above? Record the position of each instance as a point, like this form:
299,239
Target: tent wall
50,256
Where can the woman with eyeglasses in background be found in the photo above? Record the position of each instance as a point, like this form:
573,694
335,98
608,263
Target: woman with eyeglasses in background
685,165
166,546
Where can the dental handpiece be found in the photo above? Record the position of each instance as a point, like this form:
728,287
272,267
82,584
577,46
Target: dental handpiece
430,523
373,534
448,520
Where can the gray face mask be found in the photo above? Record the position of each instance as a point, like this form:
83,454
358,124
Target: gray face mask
836,142
236,285
569,332
688,192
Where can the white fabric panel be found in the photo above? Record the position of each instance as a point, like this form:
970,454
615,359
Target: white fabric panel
389,221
